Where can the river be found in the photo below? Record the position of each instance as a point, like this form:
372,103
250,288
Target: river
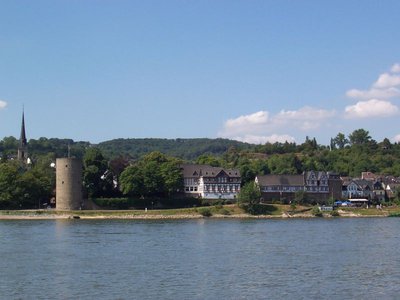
334,258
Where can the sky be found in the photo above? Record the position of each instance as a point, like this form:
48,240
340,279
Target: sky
255,71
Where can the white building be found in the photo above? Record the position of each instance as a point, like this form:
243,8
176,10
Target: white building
210,182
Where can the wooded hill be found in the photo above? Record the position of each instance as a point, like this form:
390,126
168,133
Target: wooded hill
188,149
347,155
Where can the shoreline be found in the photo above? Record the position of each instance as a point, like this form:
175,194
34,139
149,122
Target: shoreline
99,216
232,211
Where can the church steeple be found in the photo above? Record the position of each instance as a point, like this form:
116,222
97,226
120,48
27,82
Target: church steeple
23,144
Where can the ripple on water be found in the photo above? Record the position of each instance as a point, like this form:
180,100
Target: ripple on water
200,259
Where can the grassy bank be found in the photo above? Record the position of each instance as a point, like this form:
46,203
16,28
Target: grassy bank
218,211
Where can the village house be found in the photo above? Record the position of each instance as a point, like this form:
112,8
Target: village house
358,188
318,186
390,190
378,188
391,184
369,176
208,182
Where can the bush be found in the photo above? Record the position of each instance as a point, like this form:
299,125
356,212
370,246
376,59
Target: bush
212,202
113,203
204,211
178,202
124,203
224,212
205,203
395,215
316,212
127,203
335,213
258,209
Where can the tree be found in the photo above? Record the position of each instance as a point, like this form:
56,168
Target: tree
385,144
300,197
152,179
284,164
154,175
249,194
118,165
33,190
332,144
95,176
359,137
172,176
249,198
206,159
8,184
131,181
20,188
9,144
340,140
246,172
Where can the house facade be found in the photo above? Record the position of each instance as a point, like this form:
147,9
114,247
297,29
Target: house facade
208,182
374,187
390,190
378,192
319,186
363,188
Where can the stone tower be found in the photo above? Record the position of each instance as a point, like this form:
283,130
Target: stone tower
68,184
23,144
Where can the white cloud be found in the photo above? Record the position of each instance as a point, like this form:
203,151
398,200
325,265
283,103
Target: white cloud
259,117
395,68
373,93
387,80
258,139
385,87
260,127
396,139
3,104
370,109
305,118
242,125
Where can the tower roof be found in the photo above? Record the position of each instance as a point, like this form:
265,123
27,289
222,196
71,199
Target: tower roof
22,139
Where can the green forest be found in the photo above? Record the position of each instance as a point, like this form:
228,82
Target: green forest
150,167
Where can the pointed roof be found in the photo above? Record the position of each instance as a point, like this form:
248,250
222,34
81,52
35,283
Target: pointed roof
196,171
22,139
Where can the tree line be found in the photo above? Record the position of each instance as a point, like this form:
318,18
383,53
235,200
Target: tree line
157,174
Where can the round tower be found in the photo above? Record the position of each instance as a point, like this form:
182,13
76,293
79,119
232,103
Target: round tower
68,183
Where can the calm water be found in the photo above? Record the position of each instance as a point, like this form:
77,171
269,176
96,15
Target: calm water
200,259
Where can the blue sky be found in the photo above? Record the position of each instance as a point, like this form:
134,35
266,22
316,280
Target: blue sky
254,71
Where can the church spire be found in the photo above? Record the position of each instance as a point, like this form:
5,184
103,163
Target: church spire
23,144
